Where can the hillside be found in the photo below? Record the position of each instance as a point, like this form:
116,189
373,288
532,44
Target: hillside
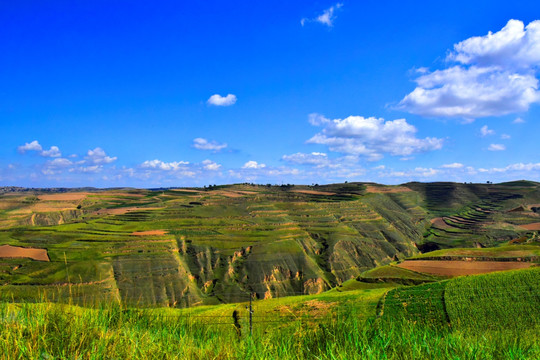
182,247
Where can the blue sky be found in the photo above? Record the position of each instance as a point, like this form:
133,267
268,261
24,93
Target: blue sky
169,93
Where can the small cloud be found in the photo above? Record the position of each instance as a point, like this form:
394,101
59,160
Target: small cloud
315,158
380,167
98,156
54,151
253,165
32,146
326,18
218,100
167,166
496,147
210,165
485,131
518,121
505,136
452,166
203,144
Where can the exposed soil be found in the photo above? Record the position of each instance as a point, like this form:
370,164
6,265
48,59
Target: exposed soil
386,190
149,232
439,223
230,194
459,268
8,251
64,196
313,192
533,226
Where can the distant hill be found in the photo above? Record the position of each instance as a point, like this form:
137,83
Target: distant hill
186,246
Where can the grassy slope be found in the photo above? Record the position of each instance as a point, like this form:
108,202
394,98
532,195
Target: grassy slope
227,240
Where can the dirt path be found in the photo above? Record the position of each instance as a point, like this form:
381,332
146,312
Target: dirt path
459,268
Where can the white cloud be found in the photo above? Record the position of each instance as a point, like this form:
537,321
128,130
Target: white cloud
514,46
203,144
253,165
60,162
98,156
452,166
496,147
518,121
167,166
218,100
505,136
315,158
485,131
326,18
32,146
495,75
54,151
210,165
371,137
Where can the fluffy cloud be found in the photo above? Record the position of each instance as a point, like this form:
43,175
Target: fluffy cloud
166,166
326,18
32,146
518,121
514,46
495,75
203,144
54,151
218,100
485,131
210,165
253,165
98,156
371,137
496,147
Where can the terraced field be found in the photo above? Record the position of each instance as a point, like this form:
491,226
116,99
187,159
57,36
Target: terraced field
182,247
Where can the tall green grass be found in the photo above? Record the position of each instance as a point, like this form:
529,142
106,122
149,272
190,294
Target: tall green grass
54,331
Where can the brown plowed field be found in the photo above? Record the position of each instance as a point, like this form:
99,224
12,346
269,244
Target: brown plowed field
388,190
8,251
439,223
459,268
533,226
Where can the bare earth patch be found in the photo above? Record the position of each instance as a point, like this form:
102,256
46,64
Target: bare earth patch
439,223
8,251
64,196
386,189
459,268
533,226
149,232
313,192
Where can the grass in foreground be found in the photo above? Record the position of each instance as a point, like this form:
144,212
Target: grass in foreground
333,325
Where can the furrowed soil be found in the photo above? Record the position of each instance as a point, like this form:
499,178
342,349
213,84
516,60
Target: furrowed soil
460,268
8,251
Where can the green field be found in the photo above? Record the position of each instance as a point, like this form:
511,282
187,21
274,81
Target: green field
220,243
